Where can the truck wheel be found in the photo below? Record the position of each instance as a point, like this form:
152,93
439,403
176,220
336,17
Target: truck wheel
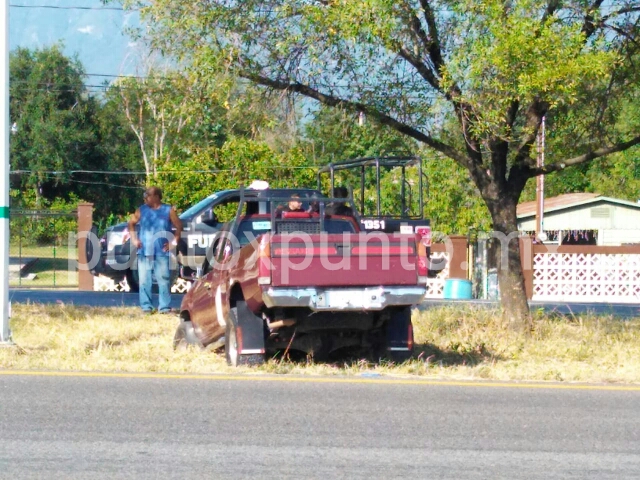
234,358
132,280
89,250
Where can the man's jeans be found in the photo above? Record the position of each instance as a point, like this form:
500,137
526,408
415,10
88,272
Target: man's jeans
147,266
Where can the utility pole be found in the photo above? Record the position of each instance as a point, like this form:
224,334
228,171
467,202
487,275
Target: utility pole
540,185
5,332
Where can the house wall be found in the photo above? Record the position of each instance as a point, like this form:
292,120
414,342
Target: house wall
617,224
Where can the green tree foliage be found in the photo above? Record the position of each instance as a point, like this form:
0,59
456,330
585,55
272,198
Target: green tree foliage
336,134
61,136
175,114
53,121
616,175
495,67
121,152
237,162
452,202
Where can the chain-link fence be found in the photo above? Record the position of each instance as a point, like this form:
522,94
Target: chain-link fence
42,249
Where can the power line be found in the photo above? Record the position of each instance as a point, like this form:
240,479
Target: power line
57,7
142,172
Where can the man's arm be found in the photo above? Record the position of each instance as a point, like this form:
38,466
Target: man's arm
133,221
175,220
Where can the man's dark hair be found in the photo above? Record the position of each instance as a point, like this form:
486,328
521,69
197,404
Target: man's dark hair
340,192
154,191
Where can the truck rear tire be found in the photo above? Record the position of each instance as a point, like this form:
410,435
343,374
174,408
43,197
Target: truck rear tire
234,358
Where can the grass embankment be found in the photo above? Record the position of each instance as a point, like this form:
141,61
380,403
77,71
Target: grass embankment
451,343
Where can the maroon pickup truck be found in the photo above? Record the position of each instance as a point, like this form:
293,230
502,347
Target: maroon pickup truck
308,282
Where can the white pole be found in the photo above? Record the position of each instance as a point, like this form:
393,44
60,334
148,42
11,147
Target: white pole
5,333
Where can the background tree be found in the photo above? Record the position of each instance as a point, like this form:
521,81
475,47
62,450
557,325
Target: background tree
120,148
335,134
453,203
54,123
62,136
496,67
238,161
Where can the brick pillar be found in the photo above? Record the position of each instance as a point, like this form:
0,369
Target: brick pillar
459,267
85,222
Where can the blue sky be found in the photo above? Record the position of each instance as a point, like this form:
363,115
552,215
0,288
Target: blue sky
96,35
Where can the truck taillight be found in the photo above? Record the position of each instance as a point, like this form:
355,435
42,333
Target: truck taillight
264,262
423,263
425,235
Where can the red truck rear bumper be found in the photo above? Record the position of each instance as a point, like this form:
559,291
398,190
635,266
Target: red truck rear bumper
340,299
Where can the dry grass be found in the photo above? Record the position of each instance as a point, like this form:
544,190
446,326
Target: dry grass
451,343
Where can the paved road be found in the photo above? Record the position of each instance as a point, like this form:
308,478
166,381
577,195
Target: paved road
113,299
242,427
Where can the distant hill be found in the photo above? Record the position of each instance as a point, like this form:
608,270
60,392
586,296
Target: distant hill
96,35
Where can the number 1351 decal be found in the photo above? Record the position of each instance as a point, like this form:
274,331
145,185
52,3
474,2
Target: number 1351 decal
373,224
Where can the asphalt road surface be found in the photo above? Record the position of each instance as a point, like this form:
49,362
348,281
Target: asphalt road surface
63,427
119,299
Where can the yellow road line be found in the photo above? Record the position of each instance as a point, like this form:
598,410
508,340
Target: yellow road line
298,379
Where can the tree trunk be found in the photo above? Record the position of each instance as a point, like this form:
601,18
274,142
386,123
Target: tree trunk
513,297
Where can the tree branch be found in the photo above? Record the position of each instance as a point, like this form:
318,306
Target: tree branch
464,113
622,11
424,71
622,33
416,28
533,119
334,101
434,47
587,157
552,7
512,113
589,27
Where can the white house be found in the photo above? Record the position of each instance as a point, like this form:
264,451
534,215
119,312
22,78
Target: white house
584,219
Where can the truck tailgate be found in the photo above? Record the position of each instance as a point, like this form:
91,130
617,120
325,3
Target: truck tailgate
356,259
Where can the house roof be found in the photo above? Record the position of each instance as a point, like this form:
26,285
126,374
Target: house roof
528,209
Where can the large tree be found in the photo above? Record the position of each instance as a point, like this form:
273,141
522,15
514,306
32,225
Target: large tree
53,122
497,67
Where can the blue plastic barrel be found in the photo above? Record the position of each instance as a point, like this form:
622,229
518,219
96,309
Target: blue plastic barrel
457,289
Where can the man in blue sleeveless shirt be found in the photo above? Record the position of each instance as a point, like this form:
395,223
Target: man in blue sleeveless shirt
154,241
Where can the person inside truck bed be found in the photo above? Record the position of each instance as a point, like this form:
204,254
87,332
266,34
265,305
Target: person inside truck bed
314,205
339,208
294,205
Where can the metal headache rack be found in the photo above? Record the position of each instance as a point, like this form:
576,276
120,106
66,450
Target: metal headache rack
315,223
361,165
290,222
